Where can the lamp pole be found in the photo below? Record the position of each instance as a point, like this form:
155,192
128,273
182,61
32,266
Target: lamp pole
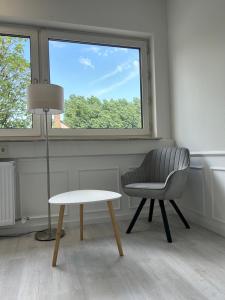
49,234
46,110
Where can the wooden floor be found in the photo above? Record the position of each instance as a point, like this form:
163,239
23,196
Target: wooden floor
193,267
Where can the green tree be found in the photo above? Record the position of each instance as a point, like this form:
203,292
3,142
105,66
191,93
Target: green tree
15,76
81,112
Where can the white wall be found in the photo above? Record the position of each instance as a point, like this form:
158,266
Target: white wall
197,72
204,199
74,165
80,164
197,75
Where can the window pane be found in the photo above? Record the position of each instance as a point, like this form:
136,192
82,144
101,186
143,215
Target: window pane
101,83
15,76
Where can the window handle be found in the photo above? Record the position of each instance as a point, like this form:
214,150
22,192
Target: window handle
35,80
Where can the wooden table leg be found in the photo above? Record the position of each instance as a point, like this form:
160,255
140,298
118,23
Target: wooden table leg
58,235
115,227
81,222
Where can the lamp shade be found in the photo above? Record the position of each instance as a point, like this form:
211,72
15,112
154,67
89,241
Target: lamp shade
43,97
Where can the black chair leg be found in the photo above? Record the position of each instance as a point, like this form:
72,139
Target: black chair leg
137,213
165,221
173,203
151,210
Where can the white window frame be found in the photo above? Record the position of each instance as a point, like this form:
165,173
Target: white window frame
95,38
33,35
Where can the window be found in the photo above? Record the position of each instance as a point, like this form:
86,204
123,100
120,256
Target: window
105,81
15,76
101,83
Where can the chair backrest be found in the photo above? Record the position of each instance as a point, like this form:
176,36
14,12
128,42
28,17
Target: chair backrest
160,162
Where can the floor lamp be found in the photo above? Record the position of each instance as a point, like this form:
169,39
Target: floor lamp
46,99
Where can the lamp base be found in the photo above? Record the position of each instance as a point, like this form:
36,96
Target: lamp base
45,235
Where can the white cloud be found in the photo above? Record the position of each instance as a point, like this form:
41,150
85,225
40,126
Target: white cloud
94,49
134,65
120,49
114,86
86,62
118,69
134,71
103,51
57,44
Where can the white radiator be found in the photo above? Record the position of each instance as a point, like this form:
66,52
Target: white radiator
7,193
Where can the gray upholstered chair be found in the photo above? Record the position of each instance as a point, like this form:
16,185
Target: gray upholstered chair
162,176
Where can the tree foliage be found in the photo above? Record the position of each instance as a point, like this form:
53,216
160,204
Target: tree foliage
81,112
14,78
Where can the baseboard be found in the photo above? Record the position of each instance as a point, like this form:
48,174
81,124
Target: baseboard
41,224
206,222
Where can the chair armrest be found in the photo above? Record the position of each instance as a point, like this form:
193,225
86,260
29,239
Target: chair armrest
136,175
175,182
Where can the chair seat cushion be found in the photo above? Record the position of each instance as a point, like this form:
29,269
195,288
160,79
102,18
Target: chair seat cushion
155,190
146,185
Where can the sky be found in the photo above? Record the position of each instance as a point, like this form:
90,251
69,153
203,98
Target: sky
106,72
87,69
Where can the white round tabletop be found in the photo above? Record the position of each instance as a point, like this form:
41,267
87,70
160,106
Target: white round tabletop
83,196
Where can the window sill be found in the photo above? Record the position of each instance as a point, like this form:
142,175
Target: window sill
76,138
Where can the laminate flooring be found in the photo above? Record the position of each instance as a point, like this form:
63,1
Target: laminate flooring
192,267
